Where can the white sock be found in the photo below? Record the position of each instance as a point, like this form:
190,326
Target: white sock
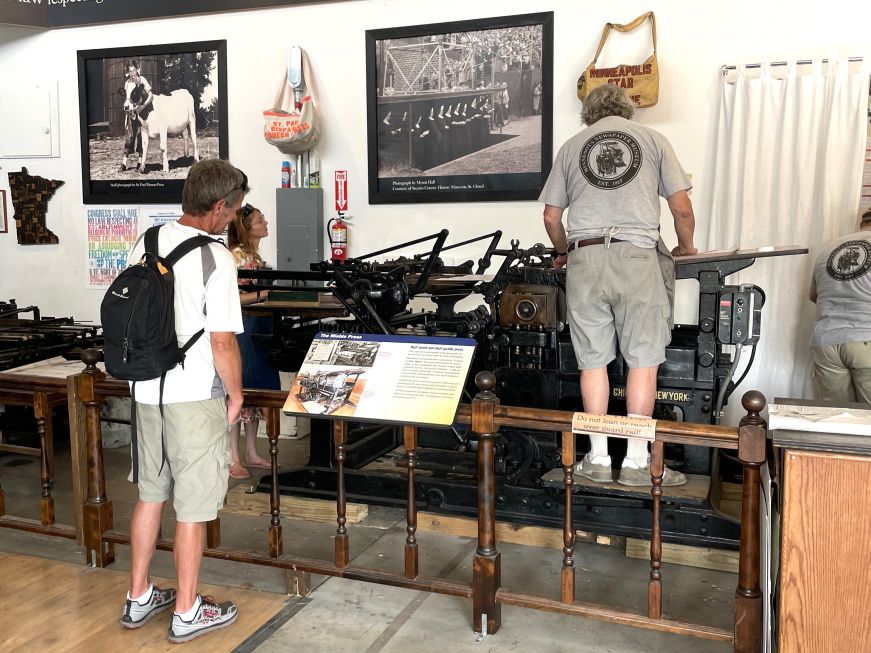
190,614
146,596
636,454
598,447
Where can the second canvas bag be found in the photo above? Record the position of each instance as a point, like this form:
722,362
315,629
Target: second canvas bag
641,81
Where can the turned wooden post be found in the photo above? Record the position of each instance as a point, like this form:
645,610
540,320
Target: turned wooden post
98,508
2,501
654,585
748,596
567,592
486,566
409,434
340,437
276,539
42,413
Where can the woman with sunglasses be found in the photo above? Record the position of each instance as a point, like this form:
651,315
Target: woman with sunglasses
244,236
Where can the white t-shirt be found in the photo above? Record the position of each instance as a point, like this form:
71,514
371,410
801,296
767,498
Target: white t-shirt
197,380
612,174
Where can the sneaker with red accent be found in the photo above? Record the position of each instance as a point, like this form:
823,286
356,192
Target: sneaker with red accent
209,616
137,615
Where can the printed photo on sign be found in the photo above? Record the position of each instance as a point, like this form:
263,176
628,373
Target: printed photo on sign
327,392
147,114
460,111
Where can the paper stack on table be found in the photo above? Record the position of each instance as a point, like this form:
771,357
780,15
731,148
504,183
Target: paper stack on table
822,419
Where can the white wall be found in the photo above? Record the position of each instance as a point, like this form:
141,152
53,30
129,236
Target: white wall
695,39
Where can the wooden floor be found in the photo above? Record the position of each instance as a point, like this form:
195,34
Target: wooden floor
56,606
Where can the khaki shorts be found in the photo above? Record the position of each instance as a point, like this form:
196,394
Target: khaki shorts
842,372
617,294
197,457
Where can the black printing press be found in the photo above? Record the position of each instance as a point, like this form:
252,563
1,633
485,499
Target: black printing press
29,340
523,338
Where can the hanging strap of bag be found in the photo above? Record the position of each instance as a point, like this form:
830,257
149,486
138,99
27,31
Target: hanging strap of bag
307,82
628,27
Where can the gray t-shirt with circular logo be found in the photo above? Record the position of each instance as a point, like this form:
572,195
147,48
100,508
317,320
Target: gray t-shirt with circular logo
612,174
842,279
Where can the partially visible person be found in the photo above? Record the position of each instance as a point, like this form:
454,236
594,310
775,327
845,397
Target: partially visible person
183,442
243,237
135,77
505,116
841,341
611,176
536,99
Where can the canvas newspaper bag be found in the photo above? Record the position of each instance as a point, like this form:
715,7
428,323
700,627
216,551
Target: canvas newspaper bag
293,127
641,81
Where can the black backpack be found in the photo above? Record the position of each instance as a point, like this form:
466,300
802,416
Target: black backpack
138,319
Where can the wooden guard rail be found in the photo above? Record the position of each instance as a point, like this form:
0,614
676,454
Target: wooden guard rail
486,416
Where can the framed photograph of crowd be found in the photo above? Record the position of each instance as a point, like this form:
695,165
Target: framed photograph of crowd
460,111
147,114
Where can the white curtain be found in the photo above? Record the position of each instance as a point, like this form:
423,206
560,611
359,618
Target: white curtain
788,153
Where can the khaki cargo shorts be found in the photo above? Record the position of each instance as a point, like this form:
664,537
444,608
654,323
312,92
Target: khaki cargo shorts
616,294
197,464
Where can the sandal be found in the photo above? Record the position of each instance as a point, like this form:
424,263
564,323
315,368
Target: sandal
239,473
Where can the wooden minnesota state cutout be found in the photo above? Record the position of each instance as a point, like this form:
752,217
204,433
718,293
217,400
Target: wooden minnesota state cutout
30,197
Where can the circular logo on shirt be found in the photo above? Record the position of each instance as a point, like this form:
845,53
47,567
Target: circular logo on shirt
610,160
849,260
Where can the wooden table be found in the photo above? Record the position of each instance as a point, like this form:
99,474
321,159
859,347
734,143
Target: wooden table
43,386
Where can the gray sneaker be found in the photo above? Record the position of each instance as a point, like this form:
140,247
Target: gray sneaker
136,615
597,473
210,616
641,477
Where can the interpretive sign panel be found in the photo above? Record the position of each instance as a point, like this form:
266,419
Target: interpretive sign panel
384,378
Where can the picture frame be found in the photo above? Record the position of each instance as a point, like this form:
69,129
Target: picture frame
112,81
4,216
460,111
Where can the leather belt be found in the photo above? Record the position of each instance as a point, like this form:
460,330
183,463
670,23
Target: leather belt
590,241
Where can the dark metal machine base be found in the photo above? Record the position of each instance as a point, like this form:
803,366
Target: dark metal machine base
626,512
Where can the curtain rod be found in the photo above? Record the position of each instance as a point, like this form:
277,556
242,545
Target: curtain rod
801,62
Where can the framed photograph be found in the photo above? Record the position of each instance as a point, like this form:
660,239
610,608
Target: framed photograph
147,113
4,219
461,111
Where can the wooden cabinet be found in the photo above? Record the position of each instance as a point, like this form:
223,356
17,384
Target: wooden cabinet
825,559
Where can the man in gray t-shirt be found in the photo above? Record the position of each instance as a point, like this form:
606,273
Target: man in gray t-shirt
841,342
610,176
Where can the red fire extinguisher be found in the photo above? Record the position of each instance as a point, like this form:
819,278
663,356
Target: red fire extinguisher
338,234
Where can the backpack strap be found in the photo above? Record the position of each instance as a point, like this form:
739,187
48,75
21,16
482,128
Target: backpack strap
186,246
134,445
151,241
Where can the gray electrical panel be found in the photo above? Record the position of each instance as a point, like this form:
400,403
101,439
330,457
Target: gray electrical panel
300,227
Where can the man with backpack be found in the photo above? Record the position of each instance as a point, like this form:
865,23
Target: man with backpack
182,415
